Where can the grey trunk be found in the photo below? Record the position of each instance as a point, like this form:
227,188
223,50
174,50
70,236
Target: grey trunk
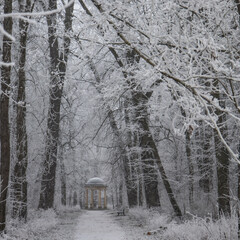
4,116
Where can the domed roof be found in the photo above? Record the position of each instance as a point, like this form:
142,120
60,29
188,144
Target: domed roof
95,182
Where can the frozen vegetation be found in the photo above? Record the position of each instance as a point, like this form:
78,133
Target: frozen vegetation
138,224
141,94
44,225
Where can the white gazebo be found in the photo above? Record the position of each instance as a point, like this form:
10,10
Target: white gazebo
95,184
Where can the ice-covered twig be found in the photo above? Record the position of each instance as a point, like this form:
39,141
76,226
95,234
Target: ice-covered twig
2,30
37,14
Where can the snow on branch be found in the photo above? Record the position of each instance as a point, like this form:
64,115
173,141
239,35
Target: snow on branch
9,36
23,16
11,64
44,13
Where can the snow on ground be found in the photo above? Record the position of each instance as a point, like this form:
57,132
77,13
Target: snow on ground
139,224
75,224
44,225
106,225
135,226
65,228
98,225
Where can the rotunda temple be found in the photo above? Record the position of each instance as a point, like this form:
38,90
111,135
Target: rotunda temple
95,185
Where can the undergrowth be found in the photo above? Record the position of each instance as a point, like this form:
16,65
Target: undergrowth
39,222
195,229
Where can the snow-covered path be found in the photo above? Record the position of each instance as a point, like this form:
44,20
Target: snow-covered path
98,225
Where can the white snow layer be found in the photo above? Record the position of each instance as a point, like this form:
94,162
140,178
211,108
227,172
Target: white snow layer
98,225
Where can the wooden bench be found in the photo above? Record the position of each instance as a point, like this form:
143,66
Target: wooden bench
121,212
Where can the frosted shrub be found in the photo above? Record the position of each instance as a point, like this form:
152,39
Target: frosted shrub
195,229
203,229
39,222
149,218
158,221
140,215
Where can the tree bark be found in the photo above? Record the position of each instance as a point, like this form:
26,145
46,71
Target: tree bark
189,160
206,162
57,73
238,193
222,156
20,168
190,168
63,184
147,156
4,116
130,166
124,164
238,209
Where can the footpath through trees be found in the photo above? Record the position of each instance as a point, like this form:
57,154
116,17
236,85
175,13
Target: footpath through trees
98,225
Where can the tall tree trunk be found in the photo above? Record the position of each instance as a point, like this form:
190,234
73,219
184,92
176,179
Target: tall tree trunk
238,209
4,116
190,167
63,183
189,159
57,73
147,156
150,156
20,168
56,88
151,152
142,200
238,193
205,163
130,166
144,161
222,156
124,164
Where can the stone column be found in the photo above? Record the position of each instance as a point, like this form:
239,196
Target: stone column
105,198
86,199
91,204
99,198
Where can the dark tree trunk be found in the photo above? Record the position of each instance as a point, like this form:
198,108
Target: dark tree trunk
189,159
147,155
130,166
238,194
148,144
74,198
222,156
50,162
4,116
57,70
124,164
206,162
63,185
190,167
150,155
238,10
130,184
19,178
